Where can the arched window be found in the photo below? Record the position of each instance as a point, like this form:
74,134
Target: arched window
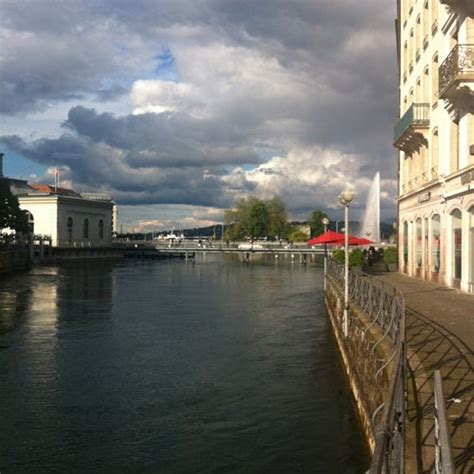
471,246
426,25
31,222
405,243
101,229
434,79
426,88
70,224
434,154
435,243
419,244
456,219
434,16
85,229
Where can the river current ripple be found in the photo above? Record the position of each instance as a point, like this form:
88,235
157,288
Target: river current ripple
213,366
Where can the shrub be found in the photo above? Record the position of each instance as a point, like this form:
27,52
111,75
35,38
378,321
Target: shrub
390,255
356,257
338,256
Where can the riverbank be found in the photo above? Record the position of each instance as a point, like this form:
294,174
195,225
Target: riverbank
440,334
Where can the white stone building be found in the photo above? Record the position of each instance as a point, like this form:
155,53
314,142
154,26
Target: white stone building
435,138
69,218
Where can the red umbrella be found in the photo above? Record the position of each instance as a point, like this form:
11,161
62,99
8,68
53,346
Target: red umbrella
359,240
329,237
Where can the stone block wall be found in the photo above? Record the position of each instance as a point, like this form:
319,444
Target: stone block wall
14,259
362,356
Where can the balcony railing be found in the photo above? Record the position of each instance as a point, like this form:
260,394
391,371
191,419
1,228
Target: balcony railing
458,66
416,117
463,6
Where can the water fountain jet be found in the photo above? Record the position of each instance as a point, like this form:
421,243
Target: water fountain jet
371,220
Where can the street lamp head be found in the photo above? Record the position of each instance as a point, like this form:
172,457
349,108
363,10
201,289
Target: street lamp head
347,196
325,221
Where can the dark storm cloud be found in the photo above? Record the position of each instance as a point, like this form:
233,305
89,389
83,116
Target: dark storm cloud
165,139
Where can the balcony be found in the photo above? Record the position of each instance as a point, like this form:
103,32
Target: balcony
460,6
456,78
408,135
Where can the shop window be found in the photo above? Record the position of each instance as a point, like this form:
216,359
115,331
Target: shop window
435,243
405,243
419,244
456,217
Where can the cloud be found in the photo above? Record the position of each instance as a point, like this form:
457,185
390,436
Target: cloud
229,97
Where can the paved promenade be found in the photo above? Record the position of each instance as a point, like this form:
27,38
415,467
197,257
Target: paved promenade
440,334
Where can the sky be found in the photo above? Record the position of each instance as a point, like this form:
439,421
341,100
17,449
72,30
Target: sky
178,108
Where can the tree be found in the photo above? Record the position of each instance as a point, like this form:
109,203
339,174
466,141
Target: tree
255,218
278,226
11,215
315,222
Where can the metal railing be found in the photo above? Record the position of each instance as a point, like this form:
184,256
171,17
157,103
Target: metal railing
416,115
384,305
444,462
459,63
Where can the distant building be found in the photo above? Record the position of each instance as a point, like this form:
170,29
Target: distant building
69,218
435,138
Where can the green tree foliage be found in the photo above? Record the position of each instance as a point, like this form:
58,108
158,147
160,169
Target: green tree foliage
255,218
297,235
315,222
278,225
10,213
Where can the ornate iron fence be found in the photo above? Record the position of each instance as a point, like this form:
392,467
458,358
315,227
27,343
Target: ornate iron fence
458,63
384,306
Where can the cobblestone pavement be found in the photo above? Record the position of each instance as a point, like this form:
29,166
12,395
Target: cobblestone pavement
440,334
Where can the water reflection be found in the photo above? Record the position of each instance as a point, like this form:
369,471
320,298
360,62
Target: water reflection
173,367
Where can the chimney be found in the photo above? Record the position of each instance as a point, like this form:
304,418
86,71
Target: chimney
1,164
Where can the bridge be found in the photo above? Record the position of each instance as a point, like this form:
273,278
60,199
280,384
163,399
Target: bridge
152,249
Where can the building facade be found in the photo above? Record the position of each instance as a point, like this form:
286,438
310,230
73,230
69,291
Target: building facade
435,139
68,218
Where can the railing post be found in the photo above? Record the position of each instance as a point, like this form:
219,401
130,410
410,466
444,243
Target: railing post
444,462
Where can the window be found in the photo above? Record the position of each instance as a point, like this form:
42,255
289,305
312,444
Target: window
456,217
405,243
70,224
434,154
471,232
101,229
434,79
419,243
85,232
426,89
435,243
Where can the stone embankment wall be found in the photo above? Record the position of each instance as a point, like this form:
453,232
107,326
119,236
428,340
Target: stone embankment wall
362,357
14,259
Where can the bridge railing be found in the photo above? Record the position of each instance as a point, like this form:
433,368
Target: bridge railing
384,306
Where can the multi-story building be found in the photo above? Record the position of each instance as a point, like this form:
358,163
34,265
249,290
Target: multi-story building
435,138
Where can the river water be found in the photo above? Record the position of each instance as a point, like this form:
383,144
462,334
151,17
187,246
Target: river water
213,366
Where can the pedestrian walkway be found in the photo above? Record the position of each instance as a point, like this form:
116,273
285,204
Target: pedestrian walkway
440,334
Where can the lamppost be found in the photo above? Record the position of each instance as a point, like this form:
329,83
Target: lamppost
325,222
345,198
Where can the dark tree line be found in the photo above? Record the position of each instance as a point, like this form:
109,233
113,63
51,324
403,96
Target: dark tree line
11,216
